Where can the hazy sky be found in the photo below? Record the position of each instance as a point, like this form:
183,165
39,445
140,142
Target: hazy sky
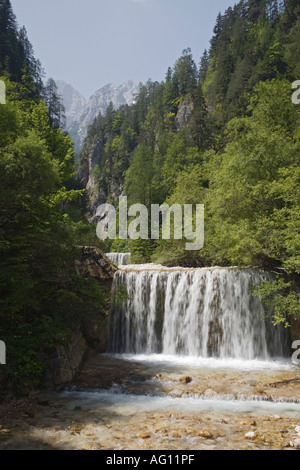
90,43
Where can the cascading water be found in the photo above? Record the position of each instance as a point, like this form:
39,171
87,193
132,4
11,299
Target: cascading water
119,259
177,324
192,312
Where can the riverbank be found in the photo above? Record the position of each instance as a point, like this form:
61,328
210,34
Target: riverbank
130,404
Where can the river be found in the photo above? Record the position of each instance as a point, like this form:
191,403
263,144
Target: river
193,364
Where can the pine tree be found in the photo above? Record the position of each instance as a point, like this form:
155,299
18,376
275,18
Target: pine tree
217,32
54,104
199,123
16,53
30,64
292,51
169,97
204,64
185,73
290,14
254,10
10,50
224,56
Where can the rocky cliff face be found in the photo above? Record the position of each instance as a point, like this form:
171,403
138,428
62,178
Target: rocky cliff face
80,113
94,263
64,362
184,114
73,101
96,193
87,178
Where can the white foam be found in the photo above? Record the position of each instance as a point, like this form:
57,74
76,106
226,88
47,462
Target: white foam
209,363
127,404
160,267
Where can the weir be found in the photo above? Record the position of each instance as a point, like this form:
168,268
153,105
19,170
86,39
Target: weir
119,259
205,313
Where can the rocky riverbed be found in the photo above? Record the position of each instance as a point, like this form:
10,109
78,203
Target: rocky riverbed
122,403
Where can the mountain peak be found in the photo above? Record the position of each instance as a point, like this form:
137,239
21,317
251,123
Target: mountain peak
80,113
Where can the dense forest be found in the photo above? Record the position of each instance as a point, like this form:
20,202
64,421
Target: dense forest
223,133
41,296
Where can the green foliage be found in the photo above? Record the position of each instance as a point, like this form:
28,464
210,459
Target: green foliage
141,251
178,158
189,189
292,51
84,234
139,176
185,74
246,219
17,60
237,150
41,297
119,246
282,301
54,104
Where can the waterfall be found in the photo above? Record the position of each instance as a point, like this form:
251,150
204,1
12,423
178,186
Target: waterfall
119,259
192,312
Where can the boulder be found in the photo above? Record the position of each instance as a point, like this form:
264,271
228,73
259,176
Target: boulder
185,380
93,262
205,434
297,444
64,362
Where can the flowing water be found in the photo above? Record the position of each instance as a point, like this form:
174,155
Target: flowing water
140,402
119,259
194,363
193,312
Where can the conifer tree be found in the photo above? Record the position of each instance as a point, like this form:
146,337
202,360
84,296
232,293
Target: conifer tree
10,50
54,104
185,73
204,64
199,123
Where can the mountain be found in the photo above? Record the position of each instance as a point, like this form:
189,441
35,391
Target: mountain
81,113
73,101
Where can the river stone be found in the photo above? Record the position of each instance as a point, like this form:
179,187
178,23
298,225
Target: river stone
144,435
250,435
297,429
206,434
297,443
185,380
